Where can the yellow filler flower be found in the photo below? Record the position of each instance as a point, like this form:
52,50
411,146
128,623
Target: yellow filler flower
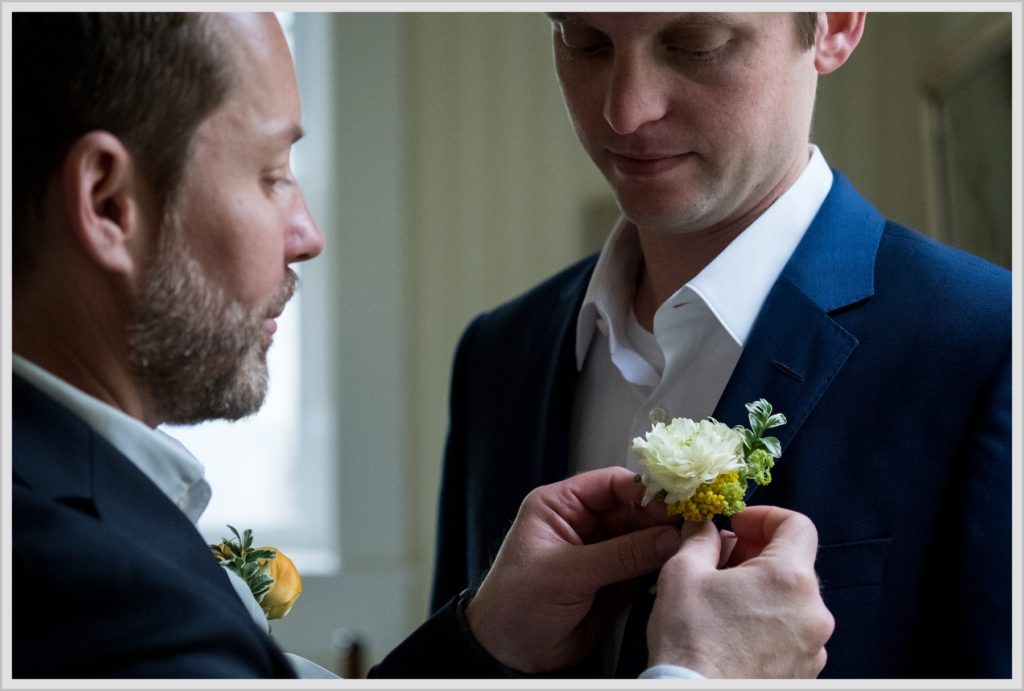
701,469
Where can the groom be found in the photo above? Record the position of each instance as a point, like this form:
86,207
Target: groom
742,268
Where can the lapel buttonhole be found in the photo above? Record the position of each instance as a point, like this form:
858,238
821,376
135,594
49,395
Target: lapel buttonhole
785,369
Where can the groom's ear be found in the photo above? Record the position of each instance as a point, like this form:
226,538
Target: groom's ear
836,39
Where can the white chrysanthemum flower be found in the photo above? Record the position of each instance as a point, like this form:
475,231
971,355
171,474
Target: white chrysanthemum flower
680,456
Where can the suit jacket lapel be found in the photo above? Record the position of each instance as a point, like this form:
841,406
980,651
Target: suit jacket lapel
42,429
796,347
126,498
58,455
558,382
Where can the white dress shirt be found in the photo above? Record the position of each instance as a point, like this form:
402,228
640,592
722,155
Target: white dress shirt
630,377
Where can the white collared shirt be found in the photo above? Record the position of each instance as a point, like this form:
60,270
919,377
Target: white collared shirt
160,457
630,377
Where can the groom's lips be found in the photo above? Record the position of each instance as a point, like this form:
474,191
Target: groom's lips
645,164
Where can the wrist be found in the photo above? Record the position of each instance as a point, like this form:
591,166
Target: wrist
687,659
666,671
468,616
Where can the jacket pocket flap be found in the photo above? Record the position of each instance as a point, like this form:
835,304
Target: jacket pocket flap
852,563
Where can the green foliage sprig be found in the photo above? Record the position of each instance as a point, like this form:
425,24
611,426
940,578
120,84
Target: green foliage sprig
239,556
759,451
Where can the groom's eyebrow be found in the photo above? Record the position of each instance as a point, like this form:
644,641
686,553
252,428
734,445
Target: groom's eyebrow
687,19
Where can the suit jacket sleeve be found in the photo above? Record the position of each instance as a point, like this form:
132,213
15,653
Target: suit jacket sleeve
977,576
442,648
451,564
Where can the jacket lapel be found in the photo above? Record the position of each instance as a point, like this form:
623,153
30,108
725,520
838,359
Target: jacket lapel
796,347
58,455
127,499
42,429
560,376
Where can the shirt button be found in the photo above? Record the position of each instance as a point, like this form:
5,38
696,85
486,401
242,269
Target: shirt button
658,414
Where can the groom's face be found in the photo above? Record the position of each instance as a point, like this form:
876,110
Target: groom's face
693,118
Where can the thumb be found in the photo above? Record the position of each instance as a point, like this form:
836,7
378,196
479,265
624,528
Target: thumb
627,556
701,547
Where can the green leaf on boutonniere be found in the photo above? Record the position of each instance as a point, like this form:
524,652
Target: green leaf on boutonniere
239,556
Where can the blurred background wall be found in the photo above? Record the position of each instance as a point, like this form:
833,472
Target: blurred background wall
443,170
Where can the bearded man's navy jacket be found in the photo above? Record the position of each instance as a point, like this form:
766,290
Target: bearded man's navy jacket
889,353
111,580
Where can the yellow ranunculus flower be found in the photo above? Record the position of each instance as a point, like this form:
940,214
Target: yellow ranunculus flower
286,588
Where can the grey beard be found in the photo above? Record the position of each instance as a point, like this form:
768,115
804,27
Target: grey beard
198,354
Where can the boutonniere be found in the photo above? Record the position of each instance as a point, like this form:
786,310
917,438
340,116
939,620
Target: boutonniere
701,469
270,575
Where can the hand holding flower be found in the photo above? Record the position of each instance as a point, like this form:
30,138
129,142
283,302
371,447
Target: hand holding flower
761,617
565,570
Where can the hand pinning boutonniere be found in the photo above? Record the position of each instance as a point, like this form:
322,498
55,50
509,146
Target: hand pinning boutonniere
701,469
270,575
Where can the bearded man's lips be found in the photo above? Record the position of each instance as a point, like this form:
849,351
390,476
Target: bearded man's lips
270,323
286,291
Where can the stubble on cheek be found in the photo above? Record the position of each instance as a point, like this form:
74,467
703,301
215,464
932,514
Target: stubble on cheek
197,353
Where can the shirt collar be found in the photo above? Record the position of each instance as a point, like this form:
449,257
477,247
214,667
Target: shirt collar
159,456
607,303
734,285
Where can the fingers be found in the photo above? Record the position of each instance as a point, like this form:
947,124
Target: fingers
626,519
785,534
593,505
604,489
729,541
700,550
625,557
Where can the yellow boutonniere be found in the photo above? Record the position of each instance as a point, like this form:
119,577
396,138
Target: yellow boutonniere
701,469
270,575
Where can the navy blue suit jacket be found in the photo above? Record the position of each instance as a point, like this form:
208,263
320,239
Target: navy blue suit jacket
111,580
890,355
